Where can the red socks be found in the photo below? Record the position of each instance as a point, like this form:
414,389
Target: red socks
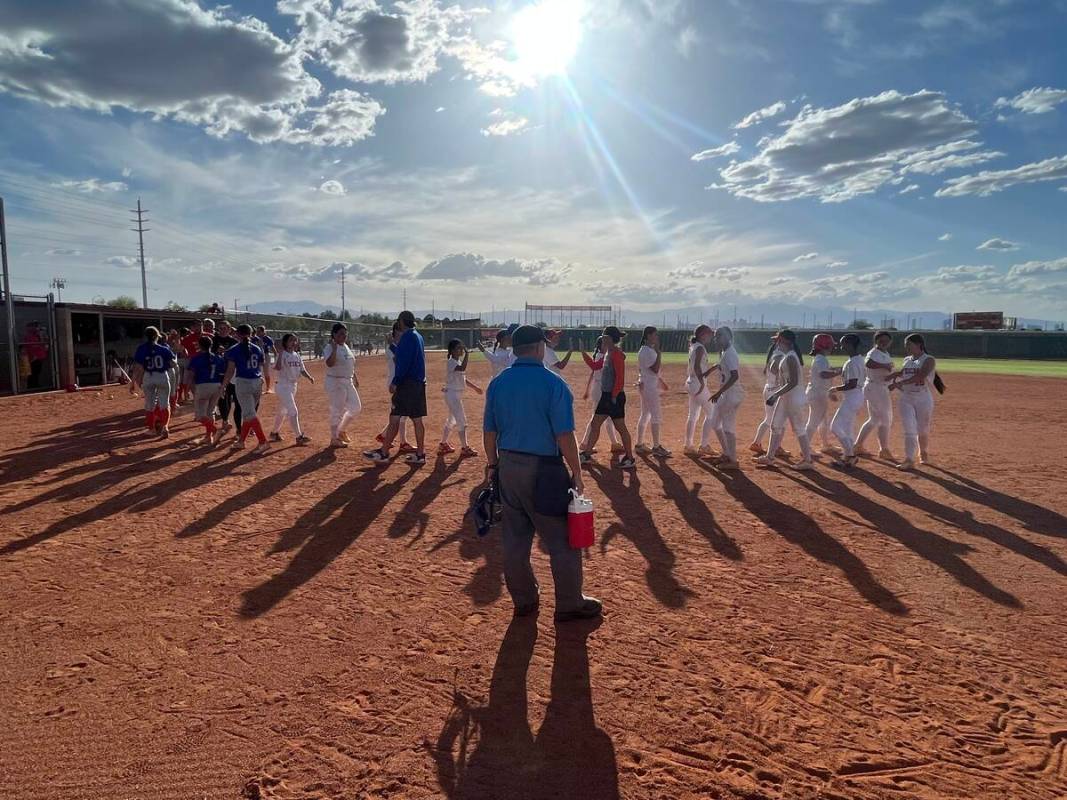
164,416
255,426
150,419
209,425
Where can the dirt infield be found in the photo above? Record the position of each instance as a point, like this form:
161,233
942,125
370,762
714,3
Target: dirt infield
186,623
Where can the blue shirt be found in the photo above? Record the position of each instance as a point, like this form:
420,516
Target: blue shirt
410,358
154,357
528,406
207,368
249,362
265,342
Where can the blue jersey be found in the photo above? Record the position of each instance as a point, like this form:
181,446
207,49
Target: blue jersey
207,368
154,357
248,360
265,342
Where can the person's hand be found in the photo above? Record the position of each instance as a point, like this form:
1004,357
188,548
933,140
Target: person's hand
490,471
579,484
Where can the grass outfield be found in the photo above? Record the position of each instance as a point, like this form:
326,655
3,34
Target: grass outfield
985,366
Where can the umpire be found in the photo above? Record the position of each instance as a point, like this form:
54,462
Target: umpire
528,435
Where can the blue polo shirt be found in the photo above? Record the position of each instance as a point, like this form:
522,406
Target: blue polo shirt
528,406
410,358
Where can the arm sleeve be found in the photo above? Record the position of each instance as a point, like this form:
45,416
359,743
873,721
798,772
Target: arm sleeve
620,371
589,362
404,355
489,416
561,410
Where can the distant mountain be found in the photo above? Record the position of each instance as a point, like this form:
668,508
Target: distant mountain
295,307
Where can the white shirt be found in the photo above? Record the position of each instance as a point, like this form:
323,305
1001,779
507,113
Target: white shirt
729,362
646,357
820,365
783,375
877,377
551,359
390,365
455,378
344,366
500,360
912,367
854,370
774,372
290,367
702,364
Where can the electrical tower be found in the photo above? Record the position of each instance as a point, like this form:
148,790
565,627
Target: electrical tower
140,231
59,284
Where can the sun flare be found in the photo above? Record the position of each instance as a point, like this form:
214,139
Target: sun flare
546,35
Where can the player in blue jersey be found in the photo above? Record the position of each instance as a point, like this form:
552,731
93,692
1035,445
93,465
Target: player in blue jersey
152,366
244,370
203,376
267,345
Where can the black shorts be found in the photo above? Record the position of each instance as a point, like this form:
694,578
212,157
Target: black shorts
616,409
409,400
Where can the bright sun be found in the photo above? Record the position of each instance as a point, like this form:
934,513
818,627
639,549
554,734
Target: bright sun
546,35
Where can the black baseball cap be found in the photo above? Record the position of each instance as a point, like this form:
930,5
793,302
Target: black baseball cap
614,333
527,334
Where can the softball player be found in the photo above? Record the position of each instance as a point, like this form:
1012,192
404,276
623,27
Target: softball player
696,386
552,359
818,392
390,373
916,376
843,425
153,363
790,404
595,364
203,374
649,386
455,383
266,344
341,384
879,366
245,372
290,366
500,357
771,383
174,342
727,400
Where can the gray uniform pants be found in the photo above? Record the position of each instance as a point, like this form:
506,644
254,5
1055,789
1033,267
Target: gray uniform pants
518,478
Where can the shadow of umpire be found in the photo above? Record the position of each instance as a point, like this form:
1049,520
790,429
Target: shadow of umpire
570,757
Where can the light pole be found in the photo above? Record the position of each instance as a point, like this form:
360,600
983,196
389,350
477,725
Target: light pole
59,284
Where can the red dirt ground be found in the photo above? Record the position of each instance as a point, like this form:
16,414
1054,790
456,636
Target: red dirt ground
185,623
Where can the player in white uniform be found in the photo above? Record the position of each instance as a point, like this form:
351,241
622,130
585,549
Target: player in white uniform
727,400
595,364
552,360
341,384
390,373
500,357
772,381
649,386
696,387
843,425
818,392
790,404
455,383
876,392
289,366
914,380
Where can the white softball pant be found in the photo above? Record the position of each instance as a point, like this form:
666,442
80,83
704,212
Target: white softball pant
879,406
698,401
248,391
768,414
457,417
791,409
156,386
818,405
651,407
205,398
286,392
843,425
344,403
724,413
916,412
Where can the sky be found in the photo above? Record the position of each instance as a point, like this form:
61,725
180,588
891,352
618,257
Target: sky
651,154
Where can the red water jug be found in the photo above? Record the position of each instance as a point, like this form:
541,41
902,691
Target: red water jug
580,521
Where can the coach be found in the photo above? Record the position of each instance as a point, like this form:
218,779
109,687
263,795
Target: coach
528,434
408,390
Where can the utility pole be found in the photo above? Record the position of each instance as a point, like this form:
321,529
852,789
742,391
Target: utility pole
404,301
59,284
140,230
236,308
9,303
342,292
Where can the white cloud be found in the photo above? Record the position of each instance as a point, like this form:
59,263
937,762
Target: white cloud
837,264
758,116
641,293
1039,100
805,257
123,261
998,244
873,277
687,40
715,152
697,271
92,185
439,109
779,280
1032,268
964,274
911,187
836,154
505,123
62,251
948,156
987,182
472,266
333,187
944,237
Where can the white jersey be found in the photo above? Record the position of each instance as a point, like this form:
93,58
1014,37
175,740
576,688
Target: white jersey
344,366
876,378
817,383
702,363
774,372
912,367
796,394
500,360
551,359
390,365
730,362
455,378
646,357
290,367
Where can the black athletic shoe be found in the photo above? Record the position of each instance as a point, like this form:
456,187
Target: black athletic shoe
528,609
378,456
416,458
591,608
